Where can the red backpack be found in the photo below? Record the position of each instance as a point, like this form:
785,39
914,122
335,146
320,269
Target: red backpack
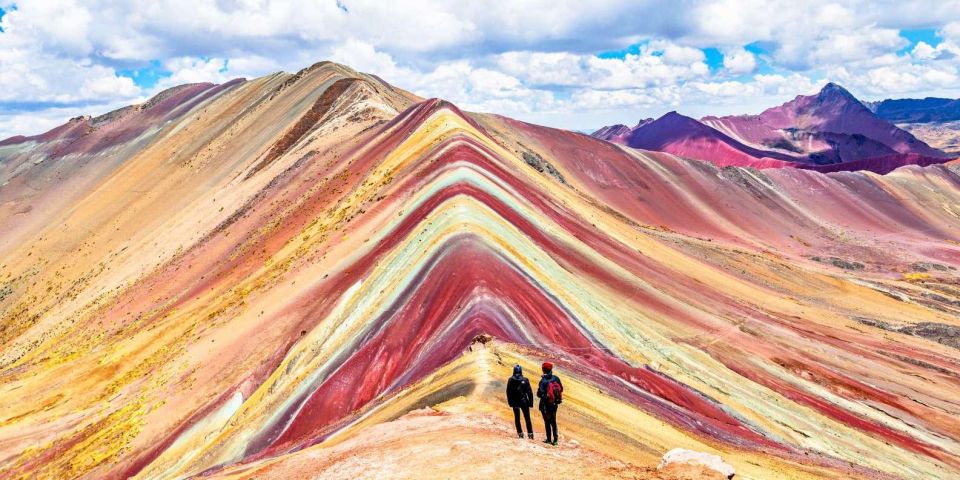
554,392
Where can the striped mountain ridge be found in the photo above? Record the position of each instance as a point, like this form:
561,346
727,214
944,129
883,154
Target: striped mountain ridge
298,259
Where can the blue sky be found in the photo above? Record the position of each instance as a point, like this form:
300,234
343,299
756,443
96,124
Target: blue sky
562,63
146,76
917,35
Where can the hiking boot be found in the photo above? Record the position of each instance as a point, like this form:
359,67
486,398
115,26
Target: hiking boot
530,436
554,443
520,434
547,441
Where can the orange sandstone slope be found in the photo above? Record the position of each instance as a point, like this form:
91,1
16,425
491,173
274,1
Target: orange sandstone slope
269,276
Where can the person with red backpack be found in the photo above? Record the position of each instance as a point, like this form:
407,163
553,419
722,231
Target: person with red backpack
550,393
520,398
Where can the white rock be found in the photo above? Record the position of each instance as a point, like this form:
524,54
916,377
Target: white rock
681,455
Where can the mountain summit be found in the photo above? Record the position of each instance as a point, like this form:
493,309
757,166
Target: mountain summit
833,92
835,111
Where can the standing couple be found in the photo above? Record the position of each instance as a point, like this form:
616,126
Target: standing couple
520,398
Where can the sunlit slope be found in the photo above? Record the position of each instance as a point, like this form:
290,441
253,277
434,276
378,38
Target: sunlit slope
309,268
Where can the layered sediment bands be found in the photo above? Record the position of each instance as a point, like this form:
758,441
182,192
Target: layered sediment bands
206,310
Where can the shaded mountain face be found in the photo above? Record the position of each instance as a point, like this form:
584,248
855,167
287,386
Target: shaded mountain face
831,130
281,270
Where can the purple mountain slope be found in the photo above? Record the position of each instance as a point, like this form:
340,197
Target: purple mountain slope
831,129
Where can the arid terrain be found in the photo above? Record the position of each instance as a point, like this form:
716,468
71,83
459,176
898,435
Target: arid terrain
295,276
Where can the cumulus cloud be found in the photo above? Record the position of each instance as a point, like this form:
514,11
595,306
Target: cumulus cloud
951,31
655,65
194,70
738,61
898,78
859,45
30,75
923,51
589,99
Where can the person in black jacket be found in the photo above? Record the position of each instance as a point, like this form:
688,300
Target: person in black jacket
520,398
548,406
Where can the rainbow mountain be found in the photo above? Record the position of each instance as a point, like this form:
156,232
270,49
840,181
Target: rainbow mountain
322,275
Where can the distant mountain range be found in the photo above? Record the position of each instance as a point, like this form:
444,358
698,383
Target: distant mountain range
829,131
917,110
936,121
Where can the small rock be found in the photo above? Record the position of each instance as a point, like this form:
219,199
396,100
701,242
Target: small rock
573,443
482,339
712,462
542,166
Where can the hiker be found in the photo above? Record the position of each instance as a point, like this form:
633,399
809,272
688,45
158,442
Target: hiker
550,393
520,398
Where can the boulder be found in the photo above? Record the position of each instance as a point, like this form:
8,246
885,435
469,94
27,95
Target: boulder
692,457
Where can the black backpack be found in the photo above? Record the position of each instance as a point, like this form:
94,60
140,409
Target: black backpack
520,389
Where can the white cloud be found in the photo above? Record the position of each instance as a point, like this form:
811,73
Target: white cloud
859,45
761,85
951,31
65,26
793,84
923,51
29,75
898,79
657,64
48,62
364,57
606,100
107,86
194,70
738,61
251,65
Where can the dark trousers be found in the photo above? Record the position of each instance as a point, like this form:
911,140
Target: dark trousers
526,416
550,421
